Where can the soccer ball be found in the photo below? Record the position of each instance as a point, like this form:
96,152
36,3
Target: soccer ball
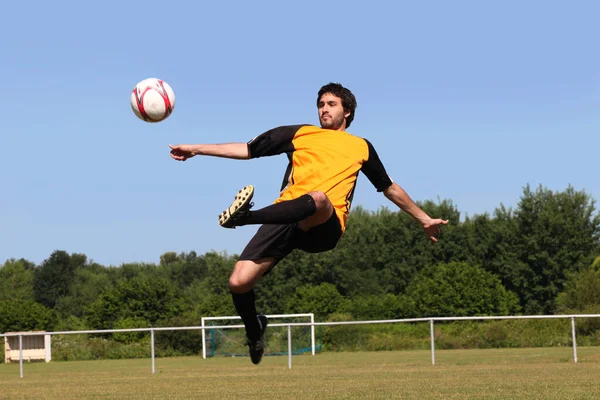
152,100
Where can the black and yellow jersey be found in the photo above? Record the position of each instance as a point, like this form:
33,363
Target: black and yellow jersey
321,160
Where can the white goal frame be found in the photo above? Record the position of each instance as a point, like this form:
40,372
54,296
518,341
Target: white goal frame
310,315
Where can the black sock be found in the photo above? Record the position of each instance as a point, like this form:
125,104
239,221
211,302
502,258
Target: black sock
286,212
246,307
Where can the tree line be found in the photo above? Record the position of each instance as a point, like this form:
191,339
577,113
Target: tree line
540,257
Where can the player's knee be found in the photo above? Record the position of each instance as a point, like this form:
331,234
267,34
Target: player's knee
321,200
238,285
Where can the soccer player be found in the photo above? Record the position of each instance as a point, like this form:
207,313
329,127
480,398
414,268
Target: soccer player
312,209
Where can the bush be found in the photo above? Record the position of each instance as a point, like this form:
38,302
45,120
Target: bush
504,333
25,315
383,306
341,337
582,296
324,299
130,323
456,289
399,336
588,326
71,323
183,342
452,335
82,347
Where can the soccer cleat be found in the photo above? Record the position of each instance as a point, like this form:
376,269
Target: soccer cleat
239,209
257,348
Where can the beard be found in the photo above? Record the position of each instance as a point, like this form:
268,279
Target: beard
335,122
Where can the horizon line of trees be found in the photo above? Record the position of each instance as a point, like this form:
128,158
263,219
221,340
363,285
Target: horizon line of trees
541,257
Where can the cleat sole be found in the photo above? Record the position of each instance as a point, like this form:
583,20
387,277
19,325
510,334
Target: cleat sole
242,198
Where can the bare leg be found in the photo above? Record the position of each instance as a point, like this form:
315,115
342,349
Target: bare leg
243,278
247,272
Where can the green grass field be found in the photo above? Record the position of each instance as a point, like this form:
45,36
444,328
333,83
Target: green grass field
538,373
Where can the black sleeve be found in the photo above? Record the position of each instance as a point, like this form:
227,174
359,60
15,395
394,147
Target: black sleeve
375,171
274,141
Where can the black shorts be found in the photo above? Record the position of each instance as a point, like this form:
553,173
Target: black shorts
277,241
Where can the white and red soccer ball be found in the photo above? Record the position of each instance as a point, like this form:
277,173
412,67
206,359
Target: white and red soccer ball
152,100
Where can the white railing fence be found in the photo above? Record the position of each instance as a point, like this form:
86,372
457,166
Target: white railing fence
289,326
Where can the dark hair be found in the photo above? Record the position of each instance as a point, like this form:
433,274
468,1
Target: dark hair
348,99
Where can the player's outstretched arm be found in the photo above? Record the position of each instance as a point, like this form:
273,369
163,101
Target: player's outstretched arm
182,152
399,197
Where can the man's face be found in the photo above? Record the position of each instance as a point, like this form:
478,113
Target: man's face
331,112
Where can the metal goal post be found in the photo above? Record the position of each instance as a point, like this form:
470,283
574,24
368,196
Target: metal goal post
274,316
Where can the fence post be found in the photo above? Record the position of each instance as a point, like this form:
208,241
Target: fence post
203,340
312,333
289,347
21,355
152,348
432,342
574,339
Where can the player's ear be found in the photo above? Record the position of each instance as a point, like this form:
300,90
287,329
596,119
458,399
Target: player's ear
347,114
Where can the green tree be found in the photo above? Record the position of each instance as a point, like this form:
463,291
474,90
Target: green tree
581,295
24,315
16,281
88,282
129,271
141,298
184,269
582,292
202,301
456,289
549,236
322,300
469,241
219,267
382,306
52,279
130,323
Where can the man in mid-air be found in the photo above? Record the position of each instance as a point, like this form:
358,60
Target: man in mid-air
313,207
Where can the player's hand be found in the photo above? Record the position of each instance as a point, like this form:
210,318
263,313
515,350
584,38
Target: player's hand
181,152
432,228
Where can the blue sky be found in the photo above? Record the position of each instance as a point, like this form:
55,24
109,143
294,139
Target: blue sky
463,100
